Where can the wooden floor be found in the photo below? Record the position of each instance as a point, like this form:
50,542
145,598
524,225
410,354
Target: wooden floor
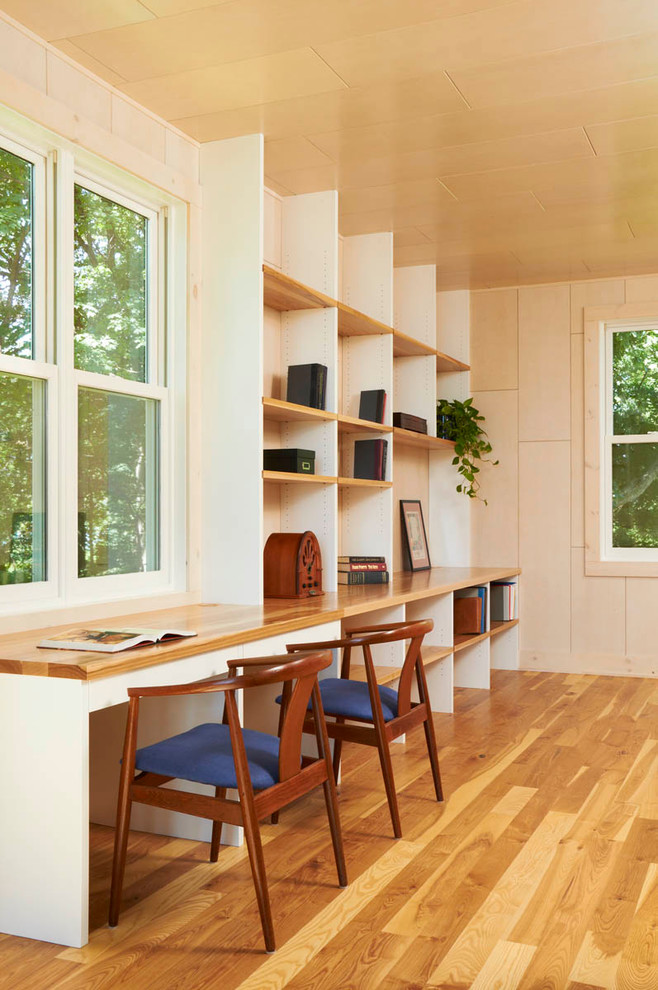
540,870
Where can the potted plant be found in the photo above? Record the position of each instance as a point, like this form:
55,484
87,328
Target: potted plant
461,422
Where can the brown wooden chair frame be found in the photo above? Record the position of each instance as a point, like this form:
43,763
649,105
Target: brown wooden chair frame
297,774
410,713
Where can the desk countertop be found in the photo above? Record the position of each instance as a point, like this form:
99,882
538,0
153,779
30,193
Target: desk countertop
222,626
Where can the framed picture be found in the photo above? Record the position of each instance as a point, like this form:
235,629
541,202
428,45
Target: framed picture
414,538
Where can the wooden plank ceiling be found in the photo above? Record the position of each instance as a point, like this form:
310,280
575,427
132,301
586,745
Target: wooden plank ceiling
508,142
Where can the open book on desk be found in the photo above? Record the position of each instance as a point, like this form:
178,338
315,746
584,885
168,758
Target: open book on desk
111,640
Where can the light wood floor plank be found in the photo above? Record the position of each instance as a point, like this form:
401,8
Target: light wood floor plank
539,871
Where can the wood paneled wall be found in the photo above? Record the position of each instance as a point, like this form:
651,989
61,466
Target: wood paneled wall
527,377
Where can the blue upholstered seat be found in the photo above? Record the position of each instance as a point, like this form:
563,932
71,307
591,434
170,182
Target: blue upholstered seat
352,700
204,755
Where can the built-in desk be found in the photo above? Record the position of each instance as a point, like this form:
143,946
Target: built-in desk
46,697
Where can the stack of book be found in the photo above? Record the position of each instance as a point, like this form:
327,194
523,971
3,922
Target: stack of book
362,570
370,459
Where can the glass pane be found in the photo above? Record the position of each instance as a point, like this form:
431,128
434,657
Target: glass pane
118,481
111,290
15,255
22,479
635,495
634,381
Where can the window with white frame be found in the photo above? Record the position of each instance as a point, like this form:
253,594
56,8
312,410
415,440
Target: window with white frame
87,443
630,473
621,403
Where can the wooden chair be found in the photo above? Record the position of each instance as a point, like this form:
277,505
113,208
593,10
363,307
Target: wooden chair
268,772
388,713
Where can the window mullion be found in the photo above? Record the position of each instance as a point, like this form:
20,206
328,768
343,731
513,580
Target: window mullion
67,421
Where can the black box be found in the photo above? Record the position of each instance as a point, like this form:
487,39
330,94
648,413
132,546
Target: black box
291,459
408,422
307,385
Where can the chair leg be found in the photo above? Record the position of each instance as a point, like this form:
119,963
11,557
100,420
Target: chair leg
389,783
120,849
215,842
255,848
331,802
124,806
430,738
338,751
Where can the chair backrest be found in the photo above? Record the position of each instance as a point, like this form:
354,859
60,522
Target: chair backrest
415,632
305,675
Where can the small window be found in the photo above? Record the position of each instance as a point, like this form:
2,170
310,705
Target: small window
22,479
621,440
16,255
631,440
111,287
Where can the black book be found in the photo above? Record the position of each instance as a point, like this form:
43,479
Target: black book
373,404
363,577
370,459
307,385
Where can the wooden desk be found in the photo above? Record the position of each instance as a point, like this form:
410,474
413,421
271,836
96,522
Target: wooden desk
46,697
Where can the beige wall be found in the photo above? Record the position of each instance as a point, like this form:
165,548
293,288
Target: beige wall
527,379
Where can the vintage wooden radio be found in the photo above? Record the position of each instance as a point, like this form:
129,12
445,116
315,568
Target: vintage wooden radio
292,565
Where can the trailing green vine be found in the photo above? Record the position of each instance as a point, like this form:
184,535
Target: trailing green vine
460,421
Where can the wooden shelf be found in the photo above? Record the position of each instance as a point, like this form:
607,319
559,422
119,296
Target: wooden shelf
277,409
446,364
352,323
406,346
350,424
289,477
500,626
363,483
461,642
282,293
408,438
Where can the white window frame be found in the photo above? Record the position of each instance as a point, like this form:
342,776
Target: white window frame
600,323
61,165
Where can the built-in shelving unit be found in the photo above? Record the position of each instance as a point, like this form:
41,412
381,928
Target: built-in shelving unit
291,291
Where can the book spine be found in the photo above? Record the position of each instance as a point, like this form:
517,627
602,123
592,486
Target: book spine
353,568
384,459
361,560
364,577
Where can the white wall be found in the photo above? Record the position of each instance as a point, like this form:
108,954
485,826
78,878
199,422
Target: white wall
527,379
